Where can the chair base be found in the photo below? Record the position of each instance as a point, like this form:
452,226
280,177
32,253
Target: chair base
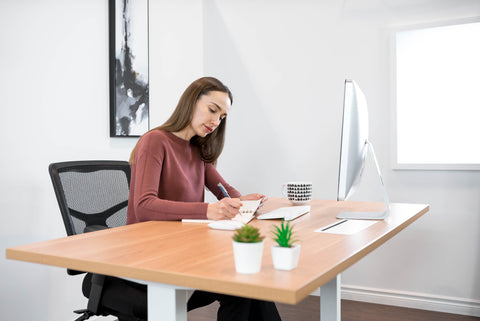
85,314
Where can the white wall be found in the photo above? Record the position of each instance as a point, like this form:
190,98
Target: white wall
54,107
54,90
285,62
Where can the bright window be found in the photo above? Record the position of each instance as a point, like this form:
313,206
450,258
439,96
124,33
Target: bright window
438,97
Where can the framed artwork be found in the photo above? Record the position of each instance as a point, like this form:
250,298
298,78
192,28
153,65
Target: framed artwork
128,60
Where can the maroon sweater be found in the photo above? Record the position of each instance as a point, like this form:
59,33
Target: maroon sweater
168,180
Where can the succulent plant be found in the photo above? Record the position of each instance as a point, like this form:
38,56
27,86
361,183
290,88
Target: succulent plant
283,234
247,234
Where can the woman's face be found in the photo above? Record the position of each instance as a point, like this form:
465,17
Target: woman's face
210,110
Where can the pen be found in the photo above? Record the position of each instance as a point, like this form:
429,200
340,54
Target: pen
224,191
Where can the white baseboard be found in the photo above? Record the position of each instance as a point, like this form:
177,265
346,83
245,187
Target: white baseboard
397,298
410,300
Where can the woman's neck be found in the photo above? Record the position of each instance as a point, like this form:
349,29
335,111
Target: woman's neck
184,134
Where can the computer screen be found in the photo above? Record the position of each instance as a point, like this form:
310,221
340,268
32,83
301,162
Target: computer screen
354,148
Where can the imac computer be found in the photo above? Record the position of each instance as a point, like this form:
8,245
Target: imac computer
353,151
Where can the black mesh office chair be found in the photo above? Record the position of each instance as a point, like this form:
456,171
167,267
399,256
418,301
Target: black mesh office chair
93,195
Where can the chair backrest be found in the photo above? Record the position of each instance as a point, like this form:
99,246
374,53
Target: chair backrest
91,193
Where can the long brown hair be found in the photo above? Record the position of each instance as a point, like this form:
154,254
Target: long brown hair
211,146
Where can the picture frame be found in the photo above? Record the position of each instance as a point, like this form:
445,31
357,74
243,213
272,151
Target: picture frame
128,68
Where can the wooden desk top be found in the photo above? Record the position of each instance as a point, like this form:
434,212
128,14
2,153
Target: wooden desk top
194,256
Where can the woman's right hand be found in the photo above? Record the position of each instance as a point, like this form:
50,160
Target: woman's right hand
225,209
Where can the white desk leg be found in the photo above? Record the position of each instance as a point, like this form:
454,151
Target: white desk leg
330,297
165,302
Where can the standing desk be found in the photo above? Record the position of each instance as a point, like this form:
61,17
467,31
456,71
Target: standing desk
173,257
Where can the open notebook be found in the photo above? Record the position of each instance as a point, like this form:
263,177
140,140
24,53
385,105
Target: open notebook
247,213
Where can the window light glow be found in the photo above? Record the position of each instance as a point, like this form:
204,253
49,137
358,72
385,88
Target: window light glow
438,95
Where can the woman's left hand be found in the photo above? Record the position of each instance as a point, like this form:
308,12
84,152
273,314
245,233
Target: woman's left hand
253,197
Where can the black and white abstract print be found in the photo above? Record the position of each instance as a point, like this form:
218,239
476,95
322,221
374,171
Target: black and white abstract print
130,105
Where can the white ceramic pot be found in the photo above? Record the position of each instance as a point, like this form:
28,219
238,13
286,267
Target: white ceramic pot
248,257
285,258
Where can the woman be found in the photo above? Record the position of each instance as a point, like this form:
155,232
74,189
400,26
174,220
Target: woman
171,166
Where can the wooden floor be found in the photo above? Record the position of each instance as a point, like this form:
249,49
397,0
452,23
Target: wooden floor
309,310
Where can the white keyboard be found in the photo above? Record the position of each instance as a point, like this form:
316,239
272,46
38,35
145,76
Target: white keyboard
287,213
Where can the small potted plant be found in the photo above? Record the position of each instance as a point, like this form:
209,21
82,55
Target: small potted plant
285,253
248,249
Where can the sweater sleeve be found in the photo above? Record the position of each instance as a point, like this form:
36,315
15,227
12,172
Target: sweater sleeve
212,178
144,190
